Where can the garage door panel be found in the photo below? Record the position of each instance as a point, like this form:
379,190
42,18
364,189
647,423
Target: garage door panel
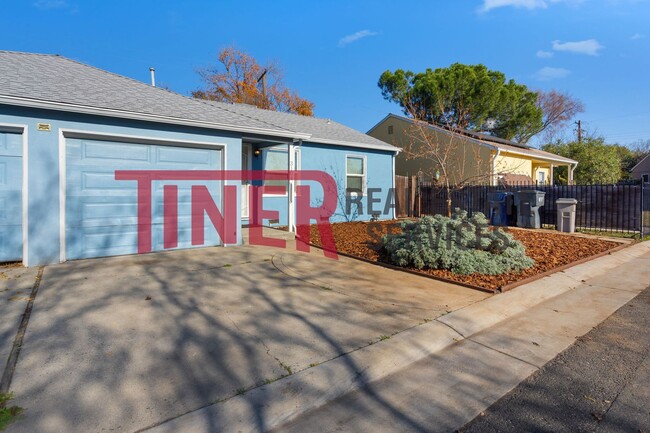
174,156
102,241
101,213
102,151
11,199
11,144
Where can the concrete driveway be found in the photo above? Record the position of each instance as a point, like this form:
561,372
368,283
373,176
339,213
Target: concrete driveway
124,343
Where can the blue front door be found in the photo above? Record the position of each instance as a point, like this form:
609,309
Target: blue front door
11,197
101,212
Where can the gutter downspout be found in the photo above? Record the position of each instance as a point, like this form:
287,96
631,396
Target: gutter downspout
572,167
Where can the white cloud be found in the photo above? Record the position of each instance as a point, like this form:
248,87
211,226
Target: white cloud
51,4
637,36
590,47
522,4
345,40
547,73
544,54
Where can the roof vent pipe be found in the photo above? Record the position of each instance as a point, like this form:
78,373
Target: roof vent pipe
153,77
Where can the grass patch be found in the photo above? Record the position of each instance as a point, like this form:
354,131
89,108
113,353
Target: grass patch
384,337
227,265
286,367
609,234
8,414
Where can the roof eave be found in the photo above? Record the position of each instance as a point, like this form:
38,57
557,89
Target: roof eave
83,109
385,148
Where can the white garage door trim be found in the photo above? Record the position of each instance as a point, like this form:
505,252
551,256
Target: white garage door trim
65,133
22,129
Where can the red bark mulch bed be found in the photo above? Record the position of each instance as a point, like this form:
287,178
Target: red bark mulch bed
549,250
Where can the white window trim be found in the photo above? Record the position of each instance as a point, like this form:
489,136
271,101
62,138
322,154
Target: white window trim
364,176
263,156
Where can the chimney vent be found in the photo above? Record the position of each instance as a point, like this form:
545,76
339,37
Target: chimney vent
153,76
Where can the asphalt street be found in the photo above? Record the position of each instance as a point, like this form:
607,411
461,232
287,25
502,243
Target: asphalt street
599,384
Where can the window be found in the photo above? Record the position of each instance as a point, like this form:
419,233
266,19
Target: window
355,174
390,129
275,158
646,178
541,177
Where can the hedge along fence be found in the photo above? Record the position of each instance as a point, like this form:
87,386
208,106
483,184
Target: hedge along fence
616,207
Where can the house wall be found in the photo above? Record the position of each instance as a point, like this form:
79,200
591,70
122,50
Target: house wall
379,179
643,168
467,159
543,169
332,160
43,164
510,163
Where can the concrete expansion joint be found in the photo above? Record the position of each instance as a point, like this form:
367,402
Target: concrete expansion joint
505,353
451,327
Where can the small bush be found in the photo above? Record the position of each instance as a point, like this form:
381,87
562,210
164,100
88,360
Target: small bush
460,244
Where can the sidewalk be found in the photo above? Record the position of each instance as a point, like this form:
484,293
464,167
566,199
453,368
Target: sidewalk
600,384
440,375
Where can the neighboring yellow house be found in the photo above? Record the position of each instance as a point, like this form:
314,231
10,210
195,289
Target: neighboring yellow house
474,157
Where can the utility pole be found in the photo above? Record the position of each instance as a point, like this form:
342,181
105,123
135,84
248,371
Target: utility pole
579,123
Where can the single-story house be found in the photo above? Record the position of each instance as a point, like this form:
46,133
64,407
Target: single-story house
67,127
641,171
474,157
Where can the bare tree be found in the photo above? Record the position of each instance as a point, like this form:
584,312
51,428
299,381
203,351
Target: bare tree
558,110
239,78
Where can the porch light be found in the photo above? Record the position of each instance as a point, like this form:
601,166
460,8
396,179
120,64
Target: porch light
256,152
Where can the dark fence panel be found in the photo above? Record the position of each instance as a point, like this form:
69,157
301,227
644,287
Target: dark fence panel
614,207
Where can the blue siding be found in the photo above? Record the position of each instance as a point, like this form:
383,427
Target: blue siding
98,195
11,201
332,160
101,212
44,223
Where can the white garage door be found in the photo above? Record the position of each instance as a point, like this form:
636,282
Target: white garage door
101,212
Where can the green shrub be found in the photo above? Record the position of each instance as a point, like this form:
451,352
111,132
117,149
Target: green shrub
460,244
8,414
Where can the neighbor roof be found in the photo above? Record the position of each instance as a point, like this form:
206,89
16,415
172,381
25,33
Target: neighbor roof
58,83
488,140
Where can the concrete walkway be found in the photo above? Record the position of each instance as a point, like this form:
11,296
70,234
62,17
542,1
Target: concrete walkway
439,375
124,343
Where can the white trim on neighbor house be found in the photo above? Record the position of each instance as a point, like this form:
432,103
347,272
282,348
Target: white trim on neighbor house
364,176
22,129
75,108
65,133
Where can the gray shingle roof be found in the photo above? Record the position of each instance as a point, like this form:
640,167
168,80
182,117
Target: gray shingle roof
321,130
56,79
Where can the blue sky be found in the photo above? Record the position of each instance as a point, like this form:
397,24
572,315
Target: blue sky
333,52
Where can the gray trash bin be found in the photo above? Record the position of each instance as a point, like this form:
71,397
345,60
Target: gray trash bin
528,203
566,214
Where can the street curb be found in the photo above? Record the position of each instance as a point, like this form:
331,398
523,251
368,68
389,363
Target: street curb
270,406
